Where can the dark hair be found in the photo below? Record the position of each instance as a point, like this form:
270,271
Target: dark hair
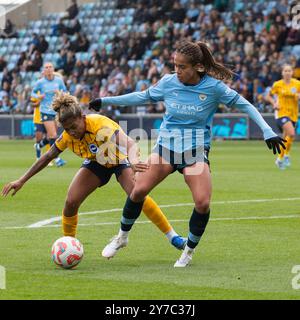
199,52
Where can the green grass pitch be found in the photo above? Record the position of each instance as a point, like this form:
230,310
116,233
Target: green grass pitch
248,251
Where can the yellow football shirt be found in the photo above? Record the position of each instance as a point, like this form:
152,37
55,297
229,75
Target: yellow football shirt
36,111
98,142
287,95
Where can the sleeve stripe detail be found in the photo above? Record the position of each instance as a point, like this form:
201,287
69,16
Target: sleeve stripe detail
233,101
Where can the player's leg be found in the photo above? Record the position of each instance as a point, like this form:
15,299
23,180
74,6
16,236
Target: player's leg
42,141
144,183
51,130
38,138
289,136
201,189
82,185
280,158
151,210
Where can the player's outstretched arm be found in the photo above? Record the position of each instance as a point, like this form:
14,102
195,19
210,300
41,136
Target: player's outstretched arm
130,99
36,167
272,140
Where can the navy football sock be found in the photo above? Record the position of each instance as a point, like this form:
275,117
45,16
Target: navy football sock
198,222
131,212
44,142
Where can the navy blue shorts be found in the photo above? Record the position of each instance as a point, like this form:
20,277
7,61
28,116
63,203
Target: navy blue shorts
103,173
39,127
47,117
179,161
283,120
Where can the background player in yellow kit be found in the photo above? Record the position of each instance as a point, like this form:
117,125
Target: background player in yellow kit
285,104
97,139
39,128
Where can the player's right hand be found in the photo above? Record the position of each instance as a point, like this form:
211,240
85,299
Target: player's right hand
95,104
15,185
140,167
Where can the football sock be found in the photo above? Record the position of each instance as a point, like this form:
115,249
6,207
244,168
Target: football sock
197,226
281,154
131,212
38,152
69,225
171,234
51,142
47,147
288,144
154,214
44,142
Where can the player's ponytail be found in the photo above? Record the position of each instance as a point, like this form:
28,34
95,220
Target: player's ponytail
199,53
213,68
66,106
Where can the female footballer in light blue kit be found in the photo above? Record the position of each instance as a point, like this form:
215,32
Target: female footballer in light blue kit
191,98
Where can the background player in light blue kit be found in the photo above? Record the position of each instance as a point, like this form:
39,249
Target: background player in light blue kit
45,90
191,98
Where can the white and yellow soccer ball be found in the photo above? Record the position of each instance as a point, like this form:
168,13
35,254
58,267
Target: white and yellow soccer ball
67,252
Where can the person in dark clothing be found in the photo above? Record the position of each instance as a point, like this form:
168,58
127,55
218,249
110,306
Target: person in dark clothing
22,58
73,28
3,64
36,63
177,13
72,11
9,30
43,44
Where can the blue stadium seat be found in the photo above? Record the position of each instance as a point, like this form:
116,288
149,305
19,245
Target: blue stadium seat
11,66
22,33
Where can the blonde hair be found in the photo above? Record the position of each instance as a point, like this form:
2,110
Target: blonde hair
286,65
66,106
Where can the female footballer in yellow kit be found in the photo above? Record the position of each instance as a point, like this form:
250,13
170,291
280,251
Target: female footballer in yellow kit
39,128
287,91
97,139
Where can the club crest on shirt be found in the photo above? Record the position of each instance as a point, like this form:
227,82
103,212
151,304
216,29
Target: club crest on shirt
294,90
93,148
86,161
202,97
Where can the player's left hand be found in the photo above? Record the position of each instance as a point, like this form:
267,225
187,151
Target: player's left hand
95,104
15,185
275,143
140,167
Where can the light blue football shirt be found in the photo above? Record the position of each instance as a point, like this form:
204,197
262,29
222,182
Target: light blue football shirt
189,110
48,87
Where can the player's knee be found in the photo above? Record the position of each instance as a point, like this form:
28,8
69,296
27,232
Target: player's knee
138,194
291,135
202,205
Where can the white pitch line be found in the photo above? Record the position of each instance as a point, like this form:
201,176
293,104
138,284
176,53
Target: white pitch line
43,223
176,220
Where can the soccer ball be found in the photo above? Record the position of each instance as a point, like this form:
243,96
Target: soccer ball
67,252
